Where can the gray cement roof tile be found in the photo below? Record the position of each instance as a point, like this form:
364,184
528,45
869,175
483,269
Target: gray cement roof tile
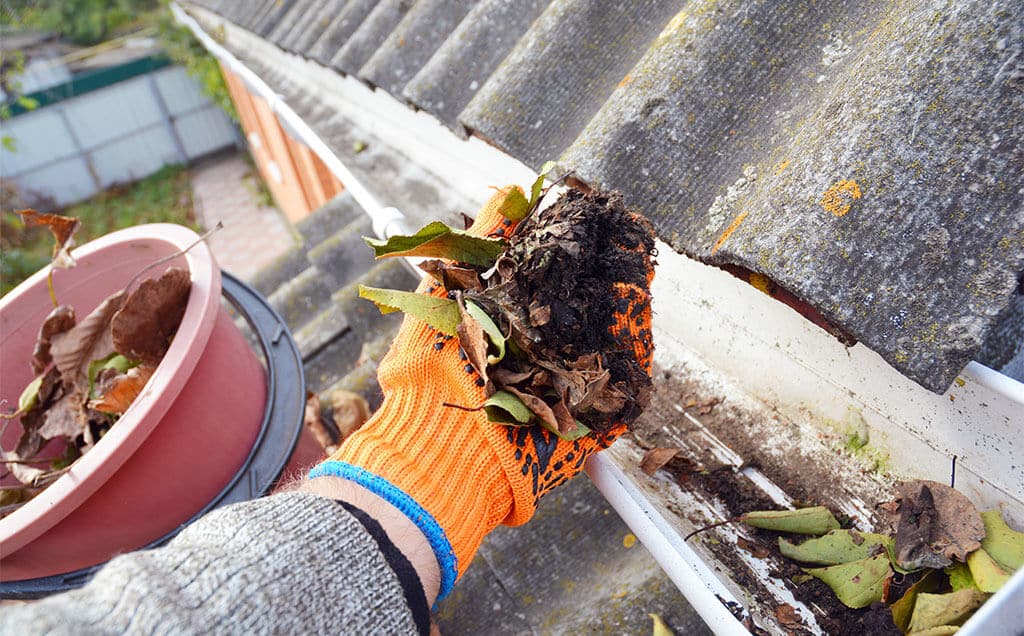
427,24
302,40
464,61
370,34
344,23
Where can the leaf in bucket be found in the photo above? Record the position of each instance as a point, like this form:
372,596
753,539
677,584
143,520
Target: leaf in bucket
903,609
65,417
490,328
505,408
816,520
89,340
63,229
437,240
29,398
858,583
987,574
143,328
440,313
836,547
935,610
118,393
58,321
1003,543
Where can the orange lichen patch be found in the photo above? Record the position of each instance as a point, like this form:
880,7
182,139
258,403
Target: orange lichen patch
782,166
839,198
625,80
761,282
728,231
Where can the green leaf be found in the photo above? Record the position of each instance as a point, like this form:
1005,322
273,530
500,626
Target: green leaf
440,313
960,577
30,396
660,628
505,408
1003,543
28,103
836,547
936,610
817,520
576,433
9,143
903,609
987,574
515,207
490,328
539,182
437,240
113,361
856,584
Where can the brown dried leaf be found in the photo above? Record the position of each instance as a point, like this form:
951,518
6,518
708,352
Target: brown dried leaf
143,328
451,276
539,407
566,422
349,411
540,315
655,458
757,550
89,340
24,473
504,377
63,229
65,418
119,391
936,525
325,432
472,341
61,319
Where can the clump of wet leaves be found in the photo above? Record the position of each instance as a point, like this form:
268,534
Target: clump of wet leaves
533,308
955,556
87,372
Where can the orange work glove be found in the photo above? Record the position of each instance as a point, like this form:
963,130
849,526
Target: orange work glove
455,474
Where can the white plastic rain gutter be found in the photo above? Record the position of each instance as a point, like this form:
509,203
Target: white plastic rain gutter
810,372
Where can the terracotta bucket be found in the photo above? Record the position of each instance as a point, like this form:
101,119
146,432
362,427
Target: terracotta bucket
180,443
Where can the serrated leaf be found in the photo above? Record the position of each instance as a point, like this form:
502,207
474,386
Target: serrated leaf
960,577
987,574
936,610
1004,544
440,313
903,609
858,583
506,408
816,520
538,184
490,328
515,207
437,240
836,547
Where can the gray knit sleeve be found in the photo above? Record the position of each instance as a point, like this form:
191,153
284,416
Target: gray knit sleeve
293,563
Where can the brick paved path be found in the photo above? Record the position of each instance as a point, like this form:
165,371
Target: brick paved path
225,189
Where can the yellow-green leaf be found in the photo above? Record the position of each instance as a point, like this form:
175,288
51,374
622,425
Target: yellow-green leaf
960,577
505,408
437,240
440,313
838,546
903,609
660,628
538,184
1004,544
856,584
987,574
515,207
936,610
30,396
816,520
490,328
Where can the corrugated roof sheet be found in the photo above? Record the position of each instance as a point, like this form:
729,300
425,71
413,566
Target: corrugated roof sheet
344,18
864,156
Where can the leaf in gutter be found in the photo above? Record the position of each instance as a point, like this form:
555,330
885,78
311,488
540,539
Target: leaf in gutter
437,240
903,609
515,207
987,574
960,577
506,408
490,328
836,547
655,458
89,340
659,628
440,313
143,328
936,610
937,524
63,229
858,583
539,182
941,630
1004,544
816,520
58,321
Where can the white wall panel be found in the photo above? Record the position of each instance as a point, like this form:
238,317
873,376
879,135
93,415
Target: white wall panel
180,92
40,137
134,157
204,131
65,182
105,114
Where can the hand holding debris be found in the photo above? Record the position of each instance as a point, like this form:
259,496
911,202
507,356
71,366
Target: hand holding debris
484,415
